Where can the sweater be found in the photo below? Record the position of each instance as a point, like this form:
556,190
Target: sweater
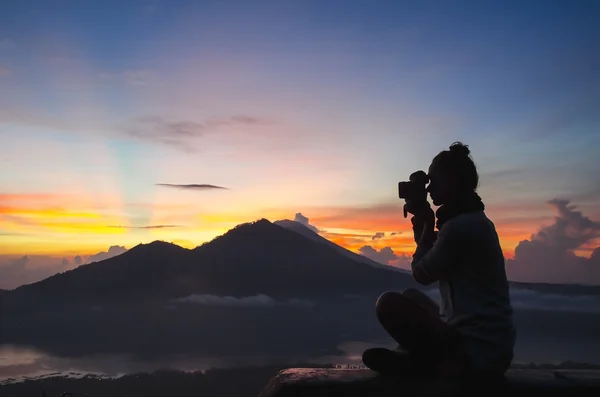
467,261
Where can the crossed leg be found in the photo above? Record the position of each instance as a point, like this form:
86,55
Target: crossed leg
431,346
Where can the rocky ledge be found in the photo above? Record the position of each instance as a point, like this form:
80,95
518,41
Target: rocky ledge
317,382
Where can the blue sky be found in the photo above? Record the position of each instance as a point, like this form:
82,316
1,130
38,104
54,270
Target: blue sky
312,106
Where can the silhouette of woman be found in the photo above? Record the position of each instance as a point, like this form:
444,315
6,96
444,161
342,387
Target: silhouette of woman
472,333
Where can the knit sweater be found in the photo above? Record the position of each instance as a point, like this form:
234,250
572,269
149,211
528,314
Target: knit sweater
467,261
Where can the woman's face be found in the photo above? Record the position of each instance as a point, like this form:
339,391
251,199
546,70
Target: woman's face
441,187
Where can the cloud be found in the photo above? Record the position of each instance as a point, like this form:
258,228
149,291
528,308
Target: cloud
402,261
181,133
304,221
393,233
384,255
259,300
549,255
378,235
157,128
534,300
6,44
528,299
144,227
4,71
17,271
191,186
113,250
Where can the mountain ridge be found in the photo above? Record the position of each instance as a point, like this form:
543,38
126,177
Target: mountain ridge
252,258
260,257
308,233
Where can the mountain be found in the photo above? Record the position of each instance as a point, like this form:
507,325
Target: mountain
139,272
308,233
252,258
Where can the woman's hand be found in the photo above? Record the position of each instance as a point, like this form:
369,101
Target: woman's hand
423,220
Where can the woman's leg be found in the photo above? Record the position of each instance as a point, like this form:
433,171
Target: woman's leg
422,299
412,319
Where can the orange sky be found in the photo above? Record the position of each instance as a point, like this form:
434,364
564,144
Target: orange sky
302,109
58,225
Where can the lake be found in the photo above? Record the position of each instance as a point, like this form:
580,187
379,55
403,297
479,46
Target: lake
21,362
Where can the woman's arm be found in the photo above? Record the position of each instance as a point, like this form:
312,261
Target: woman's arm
434,254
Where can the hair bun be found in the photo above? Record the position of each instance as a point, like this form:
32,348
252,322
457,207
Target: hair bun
460,149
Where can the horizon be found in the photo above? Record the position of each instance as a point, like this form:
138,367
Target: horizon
128,123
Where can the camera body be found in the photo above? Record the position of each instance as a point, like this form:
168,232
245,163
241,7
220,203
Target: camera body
414,190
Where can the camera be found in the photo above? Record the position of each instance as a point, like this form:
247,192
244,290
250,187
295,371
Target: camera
414,190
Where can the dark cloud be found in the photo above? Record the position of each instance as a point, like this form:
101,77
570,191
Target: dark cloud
393,233
378,235
144,227
304,220
549,255
113,250
191,186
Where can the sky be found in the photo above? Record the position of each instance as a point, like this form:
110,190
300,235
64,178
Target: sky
127,122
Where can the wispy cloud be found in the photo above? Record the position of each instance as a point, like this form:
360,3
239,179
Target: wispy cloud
144,227
191,186
378,235
180,133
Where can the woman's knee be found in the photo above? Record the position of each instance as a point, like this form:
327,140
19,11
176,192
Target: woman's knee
387,302
411,292
420,298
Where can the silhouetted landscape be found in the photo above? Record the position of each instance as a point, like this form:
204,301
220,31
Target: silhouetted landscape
195,195
261,294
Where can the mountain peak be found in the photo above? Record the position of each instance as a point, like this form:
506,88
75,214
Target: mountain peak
260,225
157,247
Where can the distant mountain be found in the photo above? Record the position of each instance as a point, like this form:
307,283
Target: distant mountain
308,233
252,258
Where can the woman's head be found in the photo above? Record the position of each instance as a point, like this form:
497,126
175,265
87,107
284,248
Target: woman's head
452,173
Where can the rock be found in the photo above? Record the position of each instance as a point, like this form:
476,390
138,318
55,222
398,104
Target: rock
317,382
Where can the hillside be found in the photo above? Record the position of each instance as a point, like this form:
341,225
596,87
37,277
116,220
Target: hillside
253,258
306,232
